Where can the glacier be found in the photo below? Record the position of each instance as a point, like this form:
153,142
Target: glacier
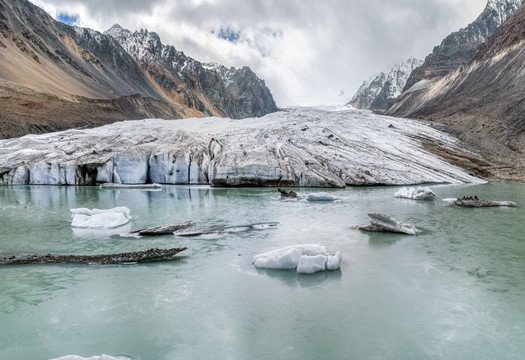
310,147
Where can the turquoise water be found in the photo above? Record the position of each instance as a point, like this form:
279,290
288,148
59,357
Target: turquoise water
455,291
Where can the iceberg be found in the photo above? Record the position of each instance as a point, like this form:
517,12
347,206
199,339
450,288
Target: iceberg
129,186
100,218
305,259
420,193
321,197
96,357
385,223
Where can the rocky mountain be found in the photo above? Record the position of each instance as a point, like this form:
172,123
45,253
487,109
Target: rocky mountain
484,101
458,48
54,77
380,92
235,93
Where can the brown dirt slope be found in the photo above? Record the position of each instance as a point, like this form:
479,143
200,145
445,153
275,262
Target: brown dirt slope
25,111
483,103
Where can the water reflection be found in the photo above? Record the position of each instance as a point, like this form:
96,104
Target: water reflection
454,290
292,279
383,239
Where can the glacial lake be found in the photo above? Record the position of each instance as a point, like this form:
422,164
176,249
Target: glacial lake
454,291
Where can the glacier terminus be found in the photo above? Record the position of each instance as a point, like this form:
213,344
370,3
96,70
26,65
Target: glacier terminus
311,147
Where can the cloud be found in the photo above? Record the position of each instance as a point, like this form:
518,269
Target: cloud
306,50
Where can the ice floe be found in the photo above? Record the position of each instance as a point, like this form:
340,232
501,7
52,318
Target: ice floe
420,193
100,218
305,259
129,186
310,147
386,223
96,357
320,197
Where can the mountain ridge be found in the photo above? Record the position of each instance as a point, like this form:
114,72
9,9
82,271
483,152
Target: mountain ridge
75,67
482,102
459,47
380,91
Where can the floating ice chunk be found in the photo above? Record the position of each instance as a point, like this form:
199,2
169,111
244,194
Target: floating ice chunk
133,186
100,218
333,262
264,226
286,258
236,229
321,197
420,193
311,264
385,223
102,232
449,200
307,259
96,357
86,211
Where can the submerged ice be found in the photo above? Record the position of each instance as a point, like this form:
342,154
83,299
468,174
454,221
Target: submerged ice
297,147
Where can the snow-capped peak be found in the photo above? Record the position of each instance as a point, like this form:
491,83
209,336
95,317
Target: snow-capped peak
380,91
228,75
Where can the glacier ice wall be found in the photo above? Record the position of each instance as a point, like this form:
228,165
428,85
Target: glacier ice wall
298,147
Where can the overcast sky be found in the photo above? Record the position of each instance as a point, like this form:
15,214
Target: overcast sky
307,51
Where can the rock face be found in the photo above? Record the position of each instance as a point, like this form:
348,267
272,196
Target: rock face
458,48
475,202
337,148
483,102
380,92
56,76
234,93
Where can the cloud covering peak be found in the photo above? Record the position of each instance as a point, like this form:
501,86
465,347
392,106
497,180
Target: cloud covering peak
307,51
